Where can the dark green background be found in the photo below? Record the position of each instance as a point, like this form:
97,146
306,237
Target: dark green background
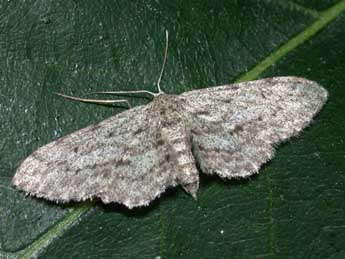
293,209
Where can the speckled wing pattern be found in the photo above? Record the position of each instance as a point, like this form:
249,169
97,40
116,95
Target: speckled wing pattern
134,156
118,160
235,128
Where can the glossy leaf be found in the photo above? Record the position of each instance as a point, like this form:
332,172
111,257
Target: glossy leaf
293,209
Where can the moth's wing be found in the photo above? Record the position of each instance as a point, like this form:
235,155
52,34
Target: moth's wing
121,159
236,127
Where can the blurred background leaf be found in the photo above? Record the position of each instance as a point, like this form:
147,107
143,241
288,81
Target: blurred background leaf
293,209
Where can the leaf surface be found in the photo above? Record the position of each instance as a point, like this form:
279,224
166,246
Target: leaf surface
293,209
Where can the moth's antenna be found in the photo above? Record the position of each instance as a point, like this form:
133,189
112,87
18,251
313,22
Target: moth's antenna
126,92
95,100
164,61
159,79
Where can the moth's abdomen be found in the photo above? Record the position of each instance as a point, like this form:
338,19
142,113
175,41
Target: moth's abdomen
180,151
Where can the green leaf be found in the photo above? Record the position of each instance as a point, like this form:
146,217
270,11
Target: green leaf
293,209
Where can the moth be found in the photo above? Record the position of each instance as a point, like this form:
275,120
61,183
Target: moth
133,157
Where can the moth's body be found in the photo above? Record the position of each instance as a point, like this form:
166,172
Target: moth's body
133,157
175,132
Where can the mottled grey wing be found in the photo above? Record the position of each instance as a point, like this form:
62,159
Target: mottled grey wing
236,127
117,160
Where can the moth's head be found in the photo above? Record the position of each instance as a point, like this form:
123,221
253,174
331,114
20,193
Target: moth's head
167,101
